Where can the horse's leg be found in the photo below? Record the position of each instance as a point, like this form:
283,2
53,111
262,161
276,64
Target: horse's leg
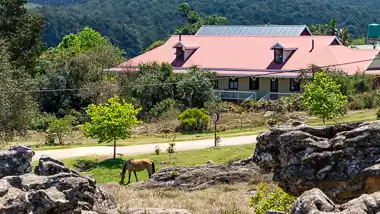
149,169
129,177
137,180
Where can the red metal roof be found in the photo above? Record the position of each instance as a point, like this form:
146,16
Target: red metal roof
249,55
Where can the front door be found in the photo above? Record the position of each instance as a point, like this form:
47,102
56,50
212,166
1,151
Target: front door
274,89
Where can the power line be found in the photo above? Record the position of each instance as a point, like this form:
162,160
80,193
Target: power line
264,73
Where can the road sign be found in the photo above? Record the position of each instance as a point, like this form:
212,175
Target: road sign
215,117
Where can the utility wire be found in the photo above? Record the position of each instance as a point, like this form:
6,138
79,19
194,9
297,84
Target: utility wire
264,73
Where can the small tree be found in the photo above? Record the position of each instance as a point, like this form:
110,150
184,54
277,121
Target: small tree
323,98
111,121
61,126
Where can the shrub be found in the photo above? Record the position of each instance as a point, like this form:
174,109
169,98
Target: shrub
60,127
157,150
171,149
194,119
167,109
85,165
268,199
50,139
378,114
218,140
366,100
41,122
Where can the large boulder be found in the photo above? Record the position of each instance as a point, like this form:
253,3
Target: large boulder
342,160
54,188
16,161
203,176
315,201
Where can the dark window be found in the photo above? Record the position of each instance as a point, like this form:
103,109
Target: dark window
234,83
254,84
180,54
274,85
278,55
294,85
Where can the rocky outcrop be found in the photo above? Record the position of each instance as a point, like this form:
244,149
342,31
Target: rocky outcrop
16,161
201,177
54,188
315,201
341,160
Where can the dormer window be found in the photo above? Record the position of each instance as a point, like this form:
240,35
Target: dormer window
282,52
184,50
278,55
180,54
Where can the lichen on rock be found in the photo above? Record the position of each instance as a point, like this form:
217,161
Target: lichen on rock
341,160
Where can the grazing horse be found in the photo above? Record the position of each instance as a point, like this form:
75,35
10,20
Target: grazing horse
137,166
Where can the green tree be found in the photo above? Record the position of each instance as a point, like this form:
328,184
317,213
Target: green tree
111,121
344,36
22,31
154,83
196,87
82,41
194,21
61,126
154,45
17,107
323,98
77,63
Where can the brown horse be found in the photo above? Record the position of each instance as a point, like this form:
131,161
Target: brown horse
137,166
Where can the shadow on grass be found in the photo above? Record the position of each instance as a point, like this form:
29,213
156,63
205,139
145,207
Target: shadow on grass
85,165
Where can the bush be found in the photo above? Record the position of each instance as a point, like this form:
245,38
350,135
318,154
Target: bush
167,109
41,122
268,199
61,126
378,114
194,119
157,150
366,100
50,139
171,149
85,165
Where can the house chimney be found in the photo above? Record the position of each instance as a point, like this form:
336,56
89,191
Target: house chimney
312,45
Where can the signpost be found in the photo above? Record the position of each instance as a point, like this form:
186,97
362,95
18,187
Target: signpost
215,118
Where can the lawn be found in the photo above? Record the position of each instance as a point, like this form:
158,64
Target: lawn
352,116
108,170
36,140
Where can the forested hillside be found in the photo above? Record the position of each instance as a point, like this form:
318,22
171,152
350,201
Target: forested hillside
56,2
134,24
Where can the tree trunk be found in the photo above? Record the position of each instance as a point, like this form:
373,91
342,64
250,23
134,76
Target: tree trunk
114,148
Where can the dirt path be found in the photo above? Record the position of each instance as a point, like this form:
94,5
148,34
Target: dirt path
142,149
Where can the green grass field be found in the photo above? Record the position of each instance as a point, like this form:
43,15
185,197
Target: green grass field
108,170
352,116
36,141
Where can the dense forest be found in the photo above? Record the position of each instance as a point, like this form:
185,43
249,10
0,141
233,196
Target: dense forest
134,24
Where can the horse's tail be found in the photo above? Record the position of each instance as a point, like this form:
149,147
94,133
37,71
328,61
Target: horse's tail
153,168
